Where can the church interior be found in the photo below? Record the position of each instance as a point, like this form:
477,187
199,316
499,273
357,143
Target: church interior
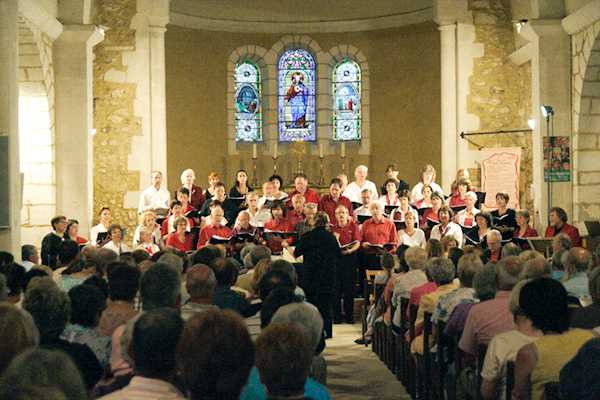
109,108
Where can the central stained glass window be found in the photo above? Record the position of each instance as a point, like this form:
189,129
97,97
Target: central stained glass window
296,97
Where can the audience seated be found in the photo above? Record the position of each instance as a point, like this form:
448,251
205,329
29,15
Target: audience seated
251,259
415,258
30,256
544,302
216,354
17,333
588,317
42,374
200,284
87,304
50,308
156,334
580,377
504,347
577,262
224,297
487,319
283,359
123,285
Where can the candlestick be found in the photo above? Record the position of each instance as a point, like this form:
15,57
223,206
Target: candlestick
275,151
254,158
320,150
343,152
254,153
321,171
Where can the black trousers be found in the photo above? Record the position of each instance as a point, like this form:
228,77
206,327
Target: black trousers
345,286
324,303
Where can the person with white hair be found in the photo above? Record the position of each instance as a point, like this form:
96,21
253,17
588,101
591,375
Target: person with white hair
353,190
466,218
188,177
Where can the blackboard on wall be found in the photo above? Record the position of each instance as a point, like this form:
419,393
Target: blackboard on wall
4,182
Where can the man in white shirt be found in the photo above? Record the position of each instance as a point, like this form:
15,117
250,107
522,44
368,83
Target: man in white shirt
30,256
155,198
354,189
363,210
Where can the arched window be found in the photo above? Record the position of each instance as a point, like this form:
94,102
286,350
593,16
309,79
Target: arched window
296,99
248,107
346,101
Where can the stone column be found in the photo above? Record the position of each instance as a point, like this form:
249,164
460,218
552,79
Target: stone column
73,59
10,238
448,109
158,112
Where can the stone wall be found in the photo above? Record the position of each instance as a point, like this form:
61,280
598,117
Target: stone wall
585,47
115,120
500,92
36,131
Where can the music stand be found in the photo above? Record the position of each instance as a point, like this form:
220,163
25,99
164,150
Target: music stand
593,228
541,245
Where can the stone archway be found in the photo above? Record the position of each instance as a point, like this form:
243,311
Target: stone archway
36,132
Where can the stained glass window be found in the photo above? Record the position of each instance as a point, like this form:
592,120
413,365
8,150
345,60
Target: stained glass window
346,101
248,107
296,100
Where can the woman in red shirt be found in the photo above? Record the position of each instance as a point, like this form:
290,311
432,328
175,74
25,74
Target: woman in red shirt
278,224
180,239
73,232
459,198
431,214
347,233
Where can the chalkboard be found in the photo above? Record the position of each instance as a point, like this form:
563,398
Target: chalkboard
4,182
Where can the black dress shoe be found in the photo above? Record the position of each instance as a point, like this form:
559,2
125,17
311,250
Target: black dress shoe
337,320
350,321
364,341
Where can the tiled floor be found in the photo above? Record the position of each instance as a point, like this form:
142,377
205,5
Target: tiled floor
355,373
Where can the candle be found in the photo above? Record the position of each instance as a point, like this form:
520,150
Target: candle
320,150
254,155
275,150
343,149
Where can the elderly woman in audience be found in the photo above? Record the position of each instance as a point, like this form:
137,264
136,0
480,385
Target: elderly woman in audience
196,196
558,224
427,179
504,347
50,308
446,227
77,270
415,258
116,240
544,302
17,333
577,262
477,236
347,233
181,239
148,222
87,305
206,372
466,218
101,228
561,244
283,359
448,244
123,285
442,272
411,236
588,317
42,374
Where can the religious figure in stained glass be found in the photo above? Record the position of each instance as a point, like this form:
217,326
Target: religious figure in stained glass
296,96
248,116
346,101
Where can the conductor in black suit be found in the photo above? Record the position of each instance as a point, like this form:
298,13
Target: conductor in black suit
321,253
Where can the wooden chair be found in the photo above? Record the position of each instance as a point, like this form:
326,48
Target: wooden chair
426,375
402,349
368,294
481,350
411,363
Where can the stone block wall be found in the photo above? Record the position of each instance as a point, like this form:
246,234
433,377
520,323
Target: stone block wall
585,52
115,120
500,92
36,132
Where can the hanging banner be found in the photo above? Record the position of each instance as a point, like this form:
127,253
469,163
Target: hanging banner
500,172
557,159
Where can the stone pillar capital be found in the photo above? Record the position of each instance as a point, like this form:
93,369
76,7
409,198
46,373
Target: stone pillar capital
91,35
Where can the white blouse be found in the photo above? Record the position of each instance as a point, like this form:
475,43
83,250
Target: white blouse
416,240
452,229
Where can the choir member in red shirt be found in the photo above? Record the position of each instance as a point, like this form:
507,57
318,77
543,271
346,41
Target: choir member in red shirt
558,224
524,230
301,187
183,195
242,227
425,202
347,233
459,198
278,223
168,224
296,214
432,213
330,202
196,196
180,239
215,228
